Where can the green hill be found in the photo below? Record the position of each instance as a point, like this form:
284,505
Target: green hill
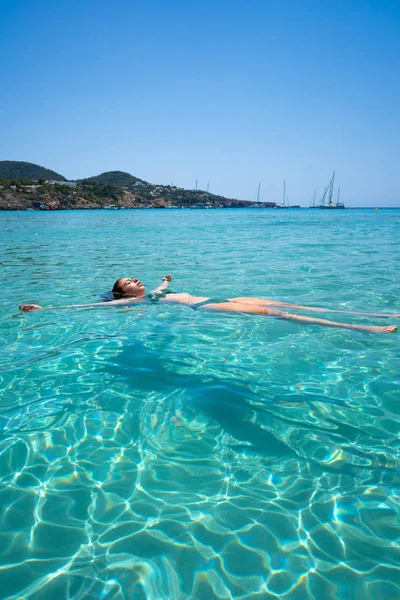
16,169
116,177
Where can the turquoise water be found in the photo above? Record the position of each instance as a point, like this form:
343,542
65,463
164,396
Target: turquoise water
157,452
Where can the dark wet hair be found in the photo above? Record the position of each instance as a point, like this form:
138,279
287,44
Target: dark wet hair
118,290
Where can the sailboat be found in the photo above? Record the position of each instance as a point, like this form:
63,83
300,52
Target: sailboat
329,204
257,199
337,199
285,198
313,201
285,203
292,205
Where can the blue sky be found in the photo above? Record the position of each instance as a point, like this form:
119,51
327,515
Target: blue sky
229,92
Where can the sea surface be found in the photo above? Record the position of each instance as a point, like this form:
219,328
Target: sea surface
157,452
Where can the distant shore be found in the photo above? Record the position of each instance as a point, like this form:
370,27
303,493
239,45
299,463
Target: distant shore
61,196
26,186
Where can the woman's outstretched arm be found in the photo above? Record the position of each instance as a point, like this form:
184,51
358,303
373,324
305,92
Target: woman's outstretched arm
34,307
259,310
163,285
262,302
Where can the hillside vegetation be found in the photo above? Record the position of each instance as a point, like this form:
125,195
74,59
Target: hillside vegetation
25,186
109,195
115,177
15,169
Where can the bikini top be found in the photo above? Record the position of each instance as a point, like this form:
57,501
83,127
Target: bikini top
155,296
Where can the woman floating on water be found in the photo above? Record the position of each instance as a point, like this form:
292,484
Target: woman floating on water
129,290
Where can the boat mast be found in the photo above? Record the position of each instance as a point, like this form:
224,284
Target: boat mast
285,196
331,189
315,193
258,192
322,203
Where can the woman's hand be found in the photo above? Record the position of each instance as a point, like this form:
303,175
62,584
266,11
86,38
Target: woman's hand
167,278
29,307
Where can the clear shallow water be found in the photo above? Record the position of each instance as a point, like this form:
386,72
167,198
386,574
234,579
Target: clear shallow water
157,452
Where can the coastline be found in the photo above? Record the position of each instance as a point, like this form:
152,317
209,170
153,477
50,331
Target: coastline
52,198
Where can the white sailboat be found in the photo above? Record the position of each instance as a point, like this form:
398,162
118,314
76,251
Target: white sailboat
329,203
285,203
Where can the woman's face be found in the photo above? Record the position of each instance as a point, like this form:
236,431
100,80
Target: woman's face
132,287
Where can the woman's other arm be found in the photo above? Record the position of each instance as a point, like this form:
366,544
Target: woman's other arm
34,307
163,285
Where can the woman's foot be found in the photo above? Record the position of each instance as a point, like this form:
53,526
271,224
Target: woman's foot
375,328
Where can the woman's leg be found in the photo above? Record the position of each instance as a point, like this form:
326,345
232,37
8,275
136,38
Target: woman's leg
263,302
259,310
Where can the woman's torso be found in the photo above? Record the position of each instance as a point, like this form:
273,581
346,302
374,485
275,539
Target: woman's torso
184,298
